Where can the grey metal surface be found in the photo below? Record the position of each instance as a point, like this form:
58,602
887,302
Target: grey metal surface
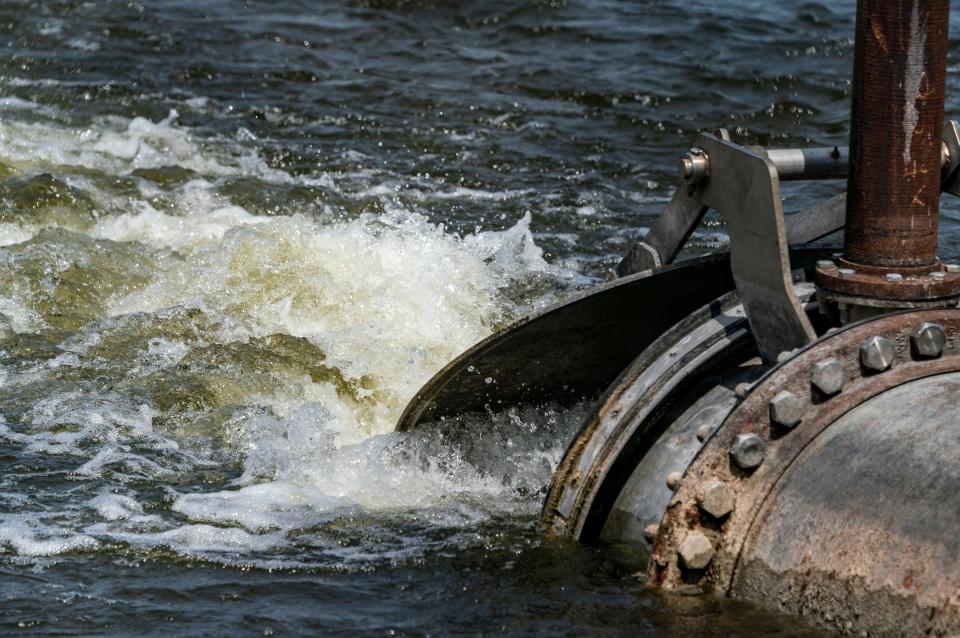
950,178
588,496
666,236
744,188
817,222
864,524
810,163
854,593
577,347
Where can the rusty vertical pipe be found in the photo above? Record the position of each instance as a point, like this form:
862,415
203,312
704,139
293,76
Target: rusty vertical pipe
899,80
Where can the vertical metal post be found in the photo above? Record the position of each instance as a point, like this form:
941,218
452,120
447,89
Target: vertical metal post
896,132
896,128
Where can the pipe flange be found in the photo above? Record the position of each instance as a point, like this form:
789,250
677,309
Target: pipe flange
778,418
848,282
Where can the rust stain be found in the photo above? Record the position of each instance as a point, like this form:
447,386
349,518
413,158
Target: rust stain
880,37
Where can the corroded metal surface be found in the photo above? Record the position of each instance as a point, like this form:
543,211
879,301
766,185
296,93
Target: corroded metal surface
659,411
756,488
899,80
577,347
862,528
626,419
896,155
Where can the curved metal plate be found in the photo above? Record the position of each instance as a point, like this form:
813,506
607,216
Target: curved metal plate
578,347
863,524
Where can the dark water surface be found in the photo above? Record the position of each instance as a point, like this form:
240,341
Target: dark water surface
235,238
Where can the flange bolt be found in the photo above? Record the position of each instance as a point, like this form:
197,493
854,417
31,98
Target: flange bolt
893,277
929,339
695,551
877,353
829,376
787,409
717,499
747,451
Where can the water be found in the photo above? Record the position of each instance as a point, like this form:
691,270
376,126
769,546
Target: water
235,238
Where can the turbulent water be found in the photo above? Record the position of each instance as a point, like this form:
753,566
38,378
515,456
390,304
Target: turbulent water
235,238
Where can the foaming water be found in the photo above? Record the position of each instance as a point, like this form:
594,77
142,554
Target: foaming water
223,383
235,239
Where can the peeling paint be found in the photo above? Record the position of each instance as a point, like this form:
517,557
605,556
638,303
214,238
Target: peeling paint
912,78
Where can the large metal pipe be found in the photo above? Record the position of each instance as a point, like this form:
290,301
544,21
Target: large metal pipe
899,78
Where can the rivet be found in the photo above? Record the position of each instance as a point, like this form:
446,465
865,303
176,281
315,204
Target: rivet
650,532
929,339
673,481
747,450
877,353
742,389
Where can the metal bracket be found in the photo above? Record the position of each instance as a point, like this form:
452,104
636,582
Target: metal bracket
950,180
669,233
745,189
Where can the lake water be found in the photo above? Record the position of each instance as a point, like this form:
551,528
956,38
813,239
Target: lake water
236,237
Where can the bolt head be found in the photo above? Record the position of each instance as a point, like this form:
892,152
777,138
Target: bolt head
938,276
826,264
929,339
829,376
893,277
846,272
877,353
696,551
952,267
787,409
686,168
717,499
747,450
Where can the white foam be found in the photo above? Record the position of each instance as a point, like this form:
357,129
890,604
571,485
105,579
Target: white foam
30,538
388,298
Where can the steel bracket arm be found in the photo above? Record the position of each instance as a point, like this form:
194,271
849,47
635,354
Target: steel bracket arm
744,188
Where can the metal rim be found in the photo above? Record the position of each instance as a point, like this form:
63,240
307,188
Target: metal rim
698,347
781,443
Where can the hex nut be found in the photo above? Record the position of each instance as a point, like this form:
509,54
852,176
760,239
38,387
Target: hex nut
696,551
829,376
747,451
673,481
787,409
929,339
717,499
877,353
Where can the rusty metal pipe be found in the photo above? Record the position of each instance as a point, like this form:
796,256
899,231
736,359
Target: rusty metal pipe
899,81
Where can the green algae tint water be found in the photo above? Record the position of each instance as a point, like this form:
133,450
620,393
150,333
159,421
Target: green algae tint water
236,238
